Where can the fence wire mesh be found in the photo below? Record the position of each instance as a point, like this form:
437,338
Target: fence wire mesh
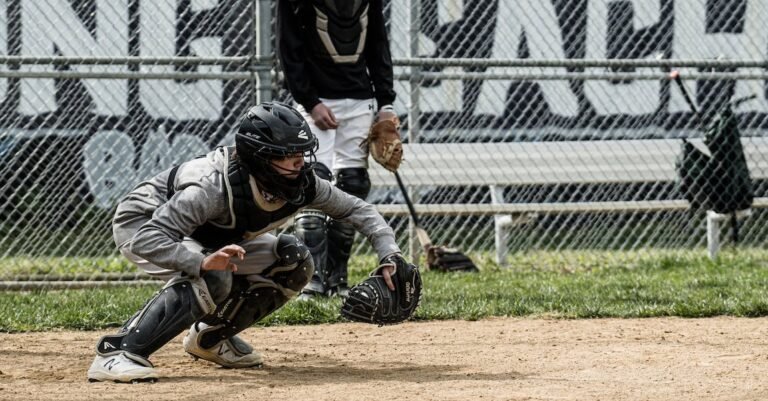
529,125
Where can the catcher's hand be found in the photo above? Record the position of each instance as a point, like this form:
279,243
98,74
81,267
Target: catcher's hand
384,142
372,302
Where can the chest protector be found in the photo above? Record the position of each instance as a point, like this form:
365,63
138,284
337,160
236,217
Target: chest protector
247,215
342,27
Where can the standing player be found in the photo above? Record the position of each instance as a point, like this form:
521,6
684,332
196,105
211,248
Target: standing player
203,227
338,68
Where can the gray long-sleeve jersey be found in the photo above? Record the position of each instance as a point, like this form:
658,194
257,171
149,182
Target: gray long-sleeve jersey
153,226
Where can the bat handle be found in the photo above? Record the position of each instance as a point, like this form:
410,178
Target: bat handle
675,76
408,202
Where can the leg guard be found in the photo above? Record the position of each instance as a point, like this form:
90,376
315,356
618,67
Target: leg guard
166,315
251,301
311,227
341,236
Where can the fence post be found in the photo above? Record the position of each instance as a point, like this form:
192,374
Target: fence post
262,79
414,112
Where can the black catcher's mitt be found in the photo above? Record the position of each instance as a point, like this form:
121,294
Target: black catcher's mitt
372,302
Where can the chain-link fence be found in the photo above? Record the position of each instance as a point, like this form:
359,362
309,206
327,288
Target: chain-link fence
531,125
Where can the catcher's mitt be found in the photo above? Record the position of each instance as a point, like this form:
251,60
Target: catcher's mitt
372,302
384,143
449,260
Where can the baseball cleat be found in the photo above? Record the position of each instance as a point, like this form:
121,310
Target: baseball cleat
232,352
121,368
341,290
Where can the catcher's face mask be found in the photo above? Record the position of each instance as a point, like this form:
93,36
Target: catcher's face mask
271,139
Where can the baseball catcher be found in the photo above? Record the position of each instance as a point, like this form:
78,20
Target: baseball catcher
387,296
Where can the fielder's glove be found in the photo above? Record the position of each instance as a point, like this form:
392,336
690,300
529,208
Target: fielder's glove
449,260
384,143
371,301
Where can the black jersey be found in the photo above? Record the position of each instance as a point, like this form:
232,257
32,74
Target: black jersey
335,49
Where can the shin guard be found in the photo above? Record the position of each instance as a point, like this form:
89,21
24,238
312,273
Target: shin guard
166,315
341,236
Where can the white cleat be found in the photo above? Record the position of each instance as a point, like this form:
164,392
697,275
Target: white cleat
232,353
121,367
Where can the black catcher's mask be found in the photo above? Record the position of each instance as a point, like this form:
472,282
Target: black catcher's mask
271,131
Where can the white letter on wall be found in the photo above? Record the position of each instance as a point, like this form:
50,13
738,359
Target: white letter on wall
634,98
539,22
444,97
202,99
54,22
691,41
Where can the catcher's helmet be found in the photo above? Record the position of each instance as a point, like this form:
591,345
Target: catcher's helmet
272,131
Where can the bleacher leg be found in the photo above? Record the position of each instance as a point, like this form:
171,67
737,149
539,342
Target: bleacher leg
713,233
501,224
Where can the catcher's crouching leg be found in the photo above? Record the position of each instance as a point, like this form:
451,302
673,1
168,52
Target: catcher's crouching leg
214,338
341,236
123,357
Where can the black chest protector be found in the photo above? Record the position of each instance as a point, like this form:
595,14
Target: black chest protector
249,217
341,28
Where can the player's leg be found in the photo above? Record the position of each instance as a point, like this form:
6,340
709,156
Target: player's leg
279,268
124,357
351,176
311,227
326,138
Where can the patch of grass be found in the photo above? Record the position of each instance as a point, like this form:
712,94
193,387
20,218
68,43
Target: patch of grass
560,284
13,267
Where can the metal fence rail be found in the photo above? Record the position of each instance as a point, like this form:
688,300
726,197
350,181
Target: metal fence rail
99,95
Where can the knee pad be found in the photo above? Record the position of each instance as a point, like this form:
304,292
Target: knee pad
322,171
354,181
294,266
179,304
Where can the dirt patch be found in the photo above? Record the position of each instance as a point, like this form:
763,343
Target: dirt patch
497,359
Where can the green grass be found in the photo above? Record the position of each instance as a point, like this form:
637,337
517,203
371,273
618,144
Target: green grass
13,267
565,284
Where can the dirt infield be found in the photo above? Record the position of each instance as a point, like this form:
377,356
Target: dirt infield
498,359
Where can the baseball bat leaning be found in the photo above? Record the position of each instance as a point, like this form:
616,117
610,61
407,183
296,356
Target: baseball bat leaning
438,257
675,76
421,233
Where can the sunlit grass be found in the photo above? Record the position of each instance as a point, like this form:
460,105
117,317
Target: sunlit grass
563,284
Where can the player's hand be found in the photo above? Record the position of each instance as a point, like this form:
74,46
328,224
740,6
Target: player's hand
222,259
385,115
389,266
323,117
386,273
